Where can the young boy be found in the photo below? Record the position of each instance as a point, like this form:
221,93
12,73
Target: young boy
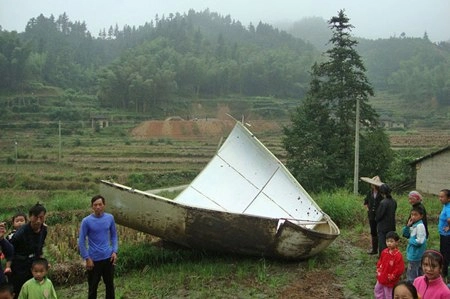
415,200
6,291
390,267
416,233
18,220
39,286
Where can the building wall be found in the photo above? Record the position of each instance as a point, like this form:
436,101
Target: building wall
433,174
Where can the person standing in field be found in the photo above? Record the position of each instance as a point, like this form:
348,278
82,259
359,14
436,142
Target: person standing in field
7,250
385,216
444,230
431,285
415,200
390,267
98,244
39,286
28,244
415,231
18,220
371,202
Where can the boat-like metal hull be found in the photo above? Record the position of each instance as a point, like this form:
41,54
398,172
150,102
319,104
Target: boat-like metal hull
244,201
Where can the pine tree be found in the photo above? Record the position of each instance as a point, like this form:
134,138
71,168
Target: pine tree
320,141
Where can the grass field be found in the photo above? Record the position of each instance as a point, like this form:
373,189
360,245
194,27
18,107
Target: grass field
62,172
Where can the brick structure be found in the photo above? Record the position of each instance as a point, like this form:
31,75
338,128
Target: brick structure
432,171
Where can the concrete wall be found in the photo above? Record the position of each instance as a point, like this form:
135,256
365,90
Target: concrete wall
433,174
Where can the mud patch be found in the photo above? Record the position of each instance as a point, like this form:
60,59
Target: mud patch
312,285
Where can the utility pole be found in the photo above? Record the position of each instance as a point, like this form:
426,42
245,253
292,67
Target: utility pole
356,170
15,146
59,151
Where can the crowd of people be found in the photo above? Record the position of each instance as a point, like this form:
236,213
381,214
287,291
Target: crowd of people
25,273
426,272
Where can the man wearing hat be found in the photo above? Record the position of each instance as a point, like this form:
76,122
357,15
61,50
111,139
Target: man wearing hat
372,201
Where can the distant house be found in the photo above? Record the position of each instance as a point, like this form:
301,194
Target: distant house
100,121
398,125
433,171
389,123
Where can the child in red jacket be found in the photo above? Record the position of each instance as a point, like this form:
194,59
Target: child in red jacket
390,267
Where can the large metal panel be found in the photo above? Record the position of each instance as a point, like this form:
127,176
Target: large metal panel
219,183
244,201
245,177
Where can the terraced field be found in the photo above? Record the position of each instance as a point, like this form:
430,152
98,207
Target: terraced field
422,138
137,152
79,158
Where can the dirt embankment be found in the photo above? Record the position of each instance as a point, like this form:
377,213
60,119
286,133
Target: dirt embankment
177,128
180,129
421,139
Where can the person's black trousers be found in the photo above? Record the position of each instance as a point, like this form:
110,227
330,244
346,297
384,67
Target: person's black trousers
102,269
20,273
444,248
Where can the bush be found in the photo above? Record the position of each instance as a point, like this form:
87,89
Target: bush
400,170
345,209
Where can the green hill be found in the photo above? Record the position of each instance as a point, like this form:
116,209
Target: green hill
171,65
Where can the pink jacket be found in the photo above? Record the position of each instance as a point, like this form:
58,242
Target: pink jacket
434,289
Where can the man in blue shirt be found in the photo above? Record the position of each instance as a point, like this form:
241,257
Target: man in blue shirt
100,253
444,230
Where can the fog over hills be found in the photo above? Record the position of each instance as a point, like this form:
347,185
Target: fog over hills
373,19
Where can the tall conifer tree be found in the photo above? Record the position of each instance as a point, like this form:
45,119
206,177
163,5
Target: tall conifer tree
320,140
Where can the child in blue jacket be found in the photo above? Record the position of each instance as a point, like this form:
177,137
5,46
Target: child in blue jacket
416,233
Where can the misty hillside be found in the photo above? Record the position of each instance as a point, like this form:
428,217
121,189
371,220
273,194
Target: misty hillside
201,55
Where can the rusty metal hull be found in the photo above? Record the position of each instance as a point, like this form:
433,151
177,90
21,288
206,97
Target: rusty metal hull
215,230
243,201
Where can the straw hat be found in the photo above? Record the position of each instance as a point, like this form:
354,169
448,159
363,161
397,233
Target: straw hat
373,181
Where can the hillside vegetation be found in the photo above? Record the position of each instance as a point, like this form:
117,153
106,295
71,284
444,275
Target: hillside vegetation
148,107
171,61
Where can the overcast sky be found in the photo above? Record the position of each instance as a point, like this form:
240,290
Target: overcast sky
372,19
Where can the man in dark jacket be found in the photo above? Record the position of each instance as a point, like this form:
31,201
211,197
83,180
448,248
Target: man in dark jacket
385,216
28,244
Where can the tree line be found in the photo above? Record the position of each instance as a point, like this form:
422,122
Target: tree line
198,55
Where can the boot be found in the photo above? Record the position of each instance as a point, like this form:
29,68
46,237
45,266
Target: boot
374,245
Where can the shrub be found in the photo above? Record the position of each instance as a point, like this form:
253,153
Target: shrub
345,209
400,170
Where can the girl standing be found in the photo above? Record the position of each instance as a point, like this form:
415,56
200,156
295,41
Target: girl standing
431,285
